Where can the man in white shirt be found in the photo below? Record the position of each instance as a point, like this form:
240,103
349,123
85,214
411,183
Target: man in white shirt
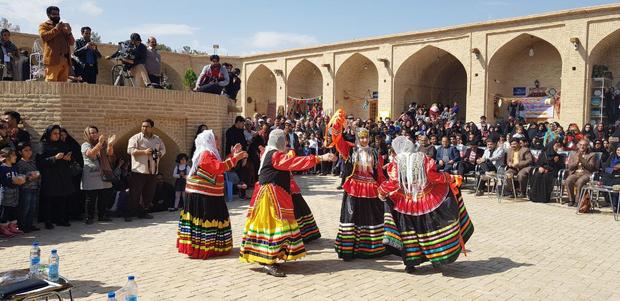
146,150
492,159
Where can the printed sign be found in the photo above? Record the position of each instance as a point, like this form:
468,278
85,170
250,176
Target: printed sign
519,91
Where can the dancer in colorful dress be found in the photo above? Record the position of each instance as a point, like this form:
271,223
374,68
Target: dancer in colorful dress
204,226
429,216
271,231
361,230
307,225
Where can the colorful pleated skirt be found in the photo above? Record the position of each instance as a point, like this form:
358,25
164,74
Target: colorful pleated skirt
307,225
204,227
438,236
360,234
266,237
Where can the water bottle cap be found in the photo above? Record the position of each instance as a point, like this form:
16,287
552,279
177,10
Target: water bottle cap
35,243
111,294
131,277
54,251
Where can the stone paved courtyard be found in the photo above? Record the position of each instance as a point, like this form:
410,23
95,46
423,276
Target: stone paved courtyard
519,251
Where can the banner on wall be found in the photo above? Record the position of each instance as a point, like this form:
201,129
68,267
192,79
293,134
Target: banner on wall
534,107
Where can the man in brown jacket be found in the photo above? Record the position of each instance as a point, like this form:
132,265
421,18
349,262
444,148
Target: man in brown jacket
581,165
57,40
519,161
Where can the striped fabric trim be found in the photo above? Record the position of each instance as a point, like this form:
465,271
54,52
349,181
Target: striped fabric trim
392,236
354,241
202,238
308,228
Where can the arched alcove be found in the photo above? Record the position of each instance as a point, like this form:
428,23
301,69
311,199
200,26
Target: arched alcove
261,92
606,54
356,80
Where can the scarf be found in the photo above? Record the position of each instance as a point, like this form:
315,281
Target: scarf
205,141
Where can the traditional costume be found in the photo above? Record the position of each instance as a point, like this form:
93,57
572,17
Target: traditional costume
428,220
204,226
360,234
271,231
307,225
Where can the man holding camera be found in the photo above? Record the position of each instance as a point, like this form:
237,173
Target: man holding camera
153,62
87,55
145,149
213,78
57,40
136,61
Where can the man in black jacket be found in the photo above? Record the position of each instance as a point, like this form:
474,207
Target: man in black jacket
291,138
235,135
87,55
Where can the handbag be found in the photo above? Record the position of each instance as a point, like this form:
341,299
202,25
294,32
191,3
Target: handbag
585,204
107,175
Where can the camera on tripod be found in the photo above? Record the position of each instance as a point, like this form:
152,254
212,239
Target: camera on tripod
125,51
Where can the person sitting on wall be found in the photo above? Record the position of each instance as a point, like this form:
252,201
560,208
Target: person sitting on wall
234,85
213,77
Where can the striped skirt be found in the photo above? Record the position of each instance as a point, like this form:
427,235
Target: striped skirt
267,238
307,226
204,227
438,236
360,234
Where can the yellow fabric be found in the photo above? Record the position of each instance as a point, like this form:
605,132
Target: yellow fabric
515,158
263,225
58,72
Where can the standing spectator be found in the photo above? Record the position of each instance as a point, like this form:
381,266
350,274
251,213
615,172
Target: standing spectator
75,204
15,134
29,192
56,183
181,170
8,56
201,128
213,78
87,55
10,181
581,164
292,139
235,135
153,61
97,173
446,156
57,41
146,150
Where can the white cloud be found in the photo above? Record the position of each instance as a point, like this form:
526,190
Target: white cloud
271,40
91,8
29,13
158,30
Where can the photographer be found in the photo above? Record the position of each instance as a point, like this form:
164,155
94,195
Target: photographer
87,55
213,77
57,40
134,59
145,149
153,62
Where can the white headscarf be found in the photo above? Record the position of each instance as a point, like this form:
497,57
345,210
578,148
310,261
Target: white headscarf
411,172
277,141
205,141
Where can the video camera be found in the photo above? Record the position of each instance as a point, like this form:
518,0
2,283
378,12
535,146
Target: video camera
125,51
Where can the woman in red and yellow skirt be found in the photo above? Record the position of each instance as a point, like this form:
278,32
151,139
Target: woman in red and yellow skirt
271,232
204,226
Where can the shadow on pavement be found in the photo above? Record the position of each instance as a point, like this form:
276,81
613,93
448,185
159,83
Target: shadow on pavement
474,268
85,288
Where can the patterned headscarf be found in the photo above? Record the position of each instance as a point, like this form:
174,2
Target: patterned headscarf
277,141
205,141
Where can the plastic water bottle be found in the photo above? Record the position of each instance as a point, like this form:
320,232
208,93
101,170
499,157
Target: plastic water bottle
53,274
131,289
111,296
35,258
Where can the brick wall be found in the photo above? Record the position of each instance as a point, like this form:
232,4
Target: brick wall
116,110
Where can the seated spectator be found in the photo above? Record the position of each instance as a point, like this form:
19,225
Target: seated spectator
164,195
519,160
426,148
581,165
492,159
611,175
468,162
546,169
213,78
446,156
599,147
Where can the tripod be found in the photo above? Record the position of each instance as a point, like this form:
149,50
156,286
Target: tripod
121,76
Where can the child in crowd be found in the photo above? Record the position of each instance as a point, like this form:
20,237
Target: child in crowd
10,181
180,174
29,192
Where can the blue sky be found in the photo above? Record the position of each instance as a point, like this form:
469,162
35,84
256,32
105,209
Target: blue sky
245,27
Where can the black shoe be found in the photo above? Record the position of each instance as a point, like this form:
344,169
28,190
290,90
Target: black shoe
410,269
128,219
479,193
145,216
34,228
104,219
172,209
63,224
89,221
273,271
347,259
49,226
